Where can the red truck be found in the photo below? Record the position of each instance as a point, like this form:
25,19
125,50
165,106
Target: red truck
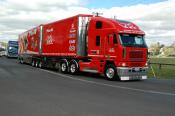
115,48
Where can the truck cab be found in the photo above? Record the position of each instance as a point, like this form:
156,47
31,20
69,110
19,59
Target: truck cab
12,49
117,49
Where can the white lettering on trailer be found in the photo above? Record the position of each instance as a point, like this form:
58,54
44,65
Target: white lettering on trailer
49,30
72,29
71,41
49,40
71,48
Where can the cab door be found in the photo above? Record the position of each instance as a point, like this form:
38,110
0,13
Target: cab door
96,40
111,45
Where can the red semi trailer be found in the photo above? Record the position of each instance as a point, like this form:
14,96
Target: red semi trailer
115,48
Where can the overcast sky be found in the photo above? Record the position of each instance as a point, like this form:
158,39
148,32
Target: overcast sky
155,17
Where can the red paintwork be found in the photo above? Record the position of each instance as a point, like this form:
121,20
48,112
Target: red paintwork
60,35
56,37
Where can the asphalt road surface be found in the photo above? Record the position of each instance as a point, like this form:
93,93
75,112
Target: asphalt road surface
29,91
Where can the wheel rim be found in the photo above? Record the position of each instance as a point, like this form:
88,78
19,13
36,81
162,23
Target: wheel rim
110,73
40,65
33,63
72,68
36,64
63,67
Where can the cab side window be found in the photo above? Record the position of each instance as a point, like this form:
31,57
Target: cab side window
114,39
98,25
97,40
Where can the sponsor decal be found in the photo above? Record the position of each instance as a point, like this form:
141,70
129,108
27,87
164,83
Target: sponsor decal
71,41
111,50
49,40
49,30
71,48
72,45
25,42
72,30
72,35
128,25
33,43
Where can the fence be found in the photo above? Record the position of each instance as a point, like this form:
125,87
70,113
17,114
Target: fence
160,64
156,72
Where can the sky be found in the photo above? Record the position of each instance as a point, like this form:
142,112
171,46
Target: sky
117,3
155,17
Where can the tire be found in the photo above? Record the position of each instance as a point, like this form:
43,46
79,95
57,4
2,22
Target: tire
37,64
110,72
63,67
73,67
33,63
40,65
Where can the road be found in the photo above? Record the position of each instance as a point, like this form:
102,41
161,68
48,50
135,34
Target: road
29,91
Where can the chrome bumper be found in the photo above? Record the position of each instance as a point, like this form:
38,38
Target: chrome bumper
133,73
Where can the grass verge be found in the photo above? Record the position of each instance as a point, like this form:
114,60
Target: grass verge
166,71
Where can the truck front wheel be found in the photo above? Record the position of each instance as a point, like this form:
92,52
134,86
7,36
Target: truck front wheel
110,72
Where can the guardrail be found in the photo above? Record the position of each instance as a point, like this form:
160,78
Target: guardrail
160,64
159,67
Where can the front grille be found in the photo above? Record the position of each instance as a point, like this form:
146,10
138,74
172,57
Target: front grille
136,64
136,55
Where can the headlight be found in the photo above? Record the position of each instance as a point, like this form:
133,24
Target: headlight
123,64
146,64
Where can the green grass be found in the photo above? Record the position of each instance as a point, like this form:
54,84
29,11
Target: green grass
166,71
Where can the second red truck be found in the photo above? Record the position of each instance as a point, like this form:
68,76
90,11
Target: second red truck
112,47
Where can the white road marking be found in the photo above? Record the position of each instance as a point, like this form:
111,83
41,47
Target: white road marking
114,86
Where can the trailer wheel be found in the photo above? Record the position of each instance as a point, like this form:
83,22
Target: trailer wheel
37,64
110,72
40,65
73,67
64,67
33,63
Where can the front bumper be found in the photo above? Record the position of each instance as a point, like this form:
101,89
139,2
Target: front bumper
132,73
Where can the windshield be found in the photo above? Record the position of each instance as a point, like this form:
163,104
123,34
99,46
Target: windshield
13,49
132,40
